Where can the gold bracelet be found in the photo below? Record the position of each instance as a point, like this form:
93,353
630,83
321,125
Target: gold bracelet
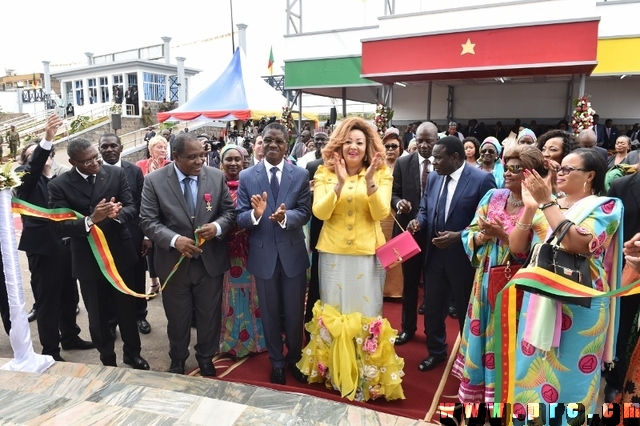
523,226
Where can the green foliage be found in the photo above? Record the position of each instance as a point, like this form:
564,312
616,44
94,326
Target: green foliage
81,122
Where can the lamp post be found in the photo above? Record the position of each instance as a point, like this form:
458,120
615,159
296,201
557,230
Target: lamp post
20,86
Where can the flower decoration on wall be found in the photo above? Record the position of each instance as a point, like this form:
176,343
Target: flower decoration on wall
383,117
582,117
287,120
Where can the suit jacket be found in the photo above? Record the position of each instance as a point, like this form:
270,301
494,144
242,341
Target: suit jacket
610,142
406,185
70,190
603,152
164,214
472,186
38,235
135,179
268,239
627,189
600,133
316,224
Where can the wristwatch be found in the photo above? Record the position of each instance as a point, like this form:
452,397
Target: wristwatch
89,222
543,206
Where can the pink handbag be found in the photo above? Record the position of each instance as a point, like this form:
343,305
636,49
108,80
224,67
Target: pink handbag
397,250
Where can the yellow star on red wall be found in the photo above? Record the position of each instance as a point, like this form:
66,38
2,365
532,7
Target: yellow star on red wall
468,47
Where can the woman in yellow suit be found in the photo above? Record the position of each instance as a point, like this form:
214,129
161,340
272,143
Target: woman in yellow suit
351,347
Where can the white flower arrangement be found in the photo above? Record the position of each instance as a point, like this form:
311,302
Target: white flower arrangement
9,178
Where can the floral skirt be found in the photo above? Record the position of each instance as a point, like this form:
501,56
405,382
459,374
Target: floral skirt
353,354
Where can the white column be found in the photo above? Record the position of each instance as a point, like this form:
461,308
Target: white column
181,81
47,77
582,84
167,49
242,37
89,58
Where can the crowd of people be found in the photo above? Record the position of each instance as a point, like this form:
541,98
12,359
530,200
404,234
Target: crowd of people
274,249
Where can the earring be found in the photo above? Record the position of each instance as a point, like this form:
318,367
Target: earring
584,187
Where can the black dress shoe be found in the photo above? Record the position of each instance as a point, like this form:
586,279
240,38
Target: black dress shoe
57,357
403,338
430,362
31,316
136,362
79,344
421,309
144,327
277,376
207,368
610,394
297,374
453,313
176,367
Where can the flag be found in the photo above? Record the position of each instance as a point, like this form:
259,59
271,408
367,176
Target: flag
270,63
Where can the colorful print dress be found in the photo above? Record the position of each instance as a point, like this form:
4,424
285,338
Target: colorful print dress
571,371
474,365
241,332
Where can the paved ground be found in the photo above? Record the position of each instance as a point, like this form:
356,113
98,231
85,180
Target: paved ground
155,346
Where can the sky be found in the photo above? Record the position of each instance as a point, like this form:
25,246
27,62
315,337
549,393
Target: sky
199,30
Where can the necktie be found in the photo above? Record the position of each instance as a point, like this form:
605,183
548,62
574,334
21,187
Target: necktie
275,185
91,179
188,197
441,207
423,176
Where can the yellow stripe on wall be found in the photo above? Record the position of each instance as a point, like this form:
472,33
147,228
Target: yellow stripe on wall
618,56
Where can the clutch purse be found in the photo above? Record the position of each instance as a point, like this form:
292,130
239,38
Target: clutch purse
499,276
560,262
397,250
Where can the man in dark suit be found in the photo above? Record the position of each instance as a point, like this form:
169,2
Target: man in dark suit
587,139
274,203
110,148
598,129
178,201
101,194
611,133
409,179
313,294
48,255
449,203
627,189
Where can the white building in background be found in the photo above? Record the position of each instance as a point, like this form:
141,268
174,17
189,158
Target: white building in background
462,59
105,79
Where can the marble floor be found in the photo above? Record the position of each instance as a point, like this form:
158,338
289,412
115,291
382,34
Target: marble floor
83,394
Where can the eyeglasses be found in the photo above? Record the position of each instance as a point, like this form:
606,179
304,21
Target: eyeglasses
97,159
514,168
393,146
487,151
565,170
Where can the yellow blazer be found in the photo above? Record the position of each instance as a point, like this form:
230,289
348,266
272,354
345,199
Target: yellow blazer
351,222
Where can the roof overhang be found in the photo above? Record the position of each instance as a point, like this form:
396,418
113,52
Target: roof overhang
120,65
549,48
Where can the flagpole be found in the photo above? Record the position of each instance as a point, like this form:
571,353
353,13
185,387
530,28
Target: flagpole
233,42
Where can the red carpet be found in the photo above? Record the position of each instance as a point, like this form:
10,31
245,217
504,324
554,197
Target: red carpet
419,387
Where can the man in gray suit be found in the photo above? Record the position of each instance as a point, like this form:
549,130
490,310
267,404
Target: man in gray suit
179,201
274,203
587,139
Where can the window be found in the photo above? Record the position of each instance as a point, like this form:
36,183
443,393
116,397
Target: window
174,89
118,89
93,91
69,92
79,94
154,87
104,90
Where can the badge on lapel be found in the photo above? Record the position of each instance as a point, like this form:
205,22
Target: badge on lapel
207,199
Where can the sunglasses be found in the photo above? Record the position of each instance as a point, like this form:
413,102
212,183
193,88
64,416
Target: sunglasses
391,146
565,170
487,151
515,169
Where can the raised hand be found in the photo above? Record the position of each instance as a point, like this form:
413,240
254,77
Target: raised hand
259,204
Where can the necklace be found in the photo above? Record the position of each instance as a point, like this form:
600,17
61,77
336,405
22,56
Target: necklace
567,206
512,200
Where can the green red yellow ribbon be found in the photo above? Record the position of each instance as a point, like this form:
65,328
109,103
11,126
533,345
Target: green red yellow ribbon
504,319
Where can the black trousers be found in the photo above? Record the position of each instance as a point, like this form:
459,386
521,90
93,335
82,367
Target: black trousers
57,295
411,272
628,308
99,296
313,294
447,271
4,301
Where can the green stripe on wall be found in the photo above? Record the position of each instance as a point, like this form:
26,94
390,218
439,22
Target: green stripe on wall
331,72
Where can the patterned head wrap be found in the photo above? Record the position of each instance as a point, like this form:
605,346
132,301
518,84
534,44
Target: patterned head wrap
493,141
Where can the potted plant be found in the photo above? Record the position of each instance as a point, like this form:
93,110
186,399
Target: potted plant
116,116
